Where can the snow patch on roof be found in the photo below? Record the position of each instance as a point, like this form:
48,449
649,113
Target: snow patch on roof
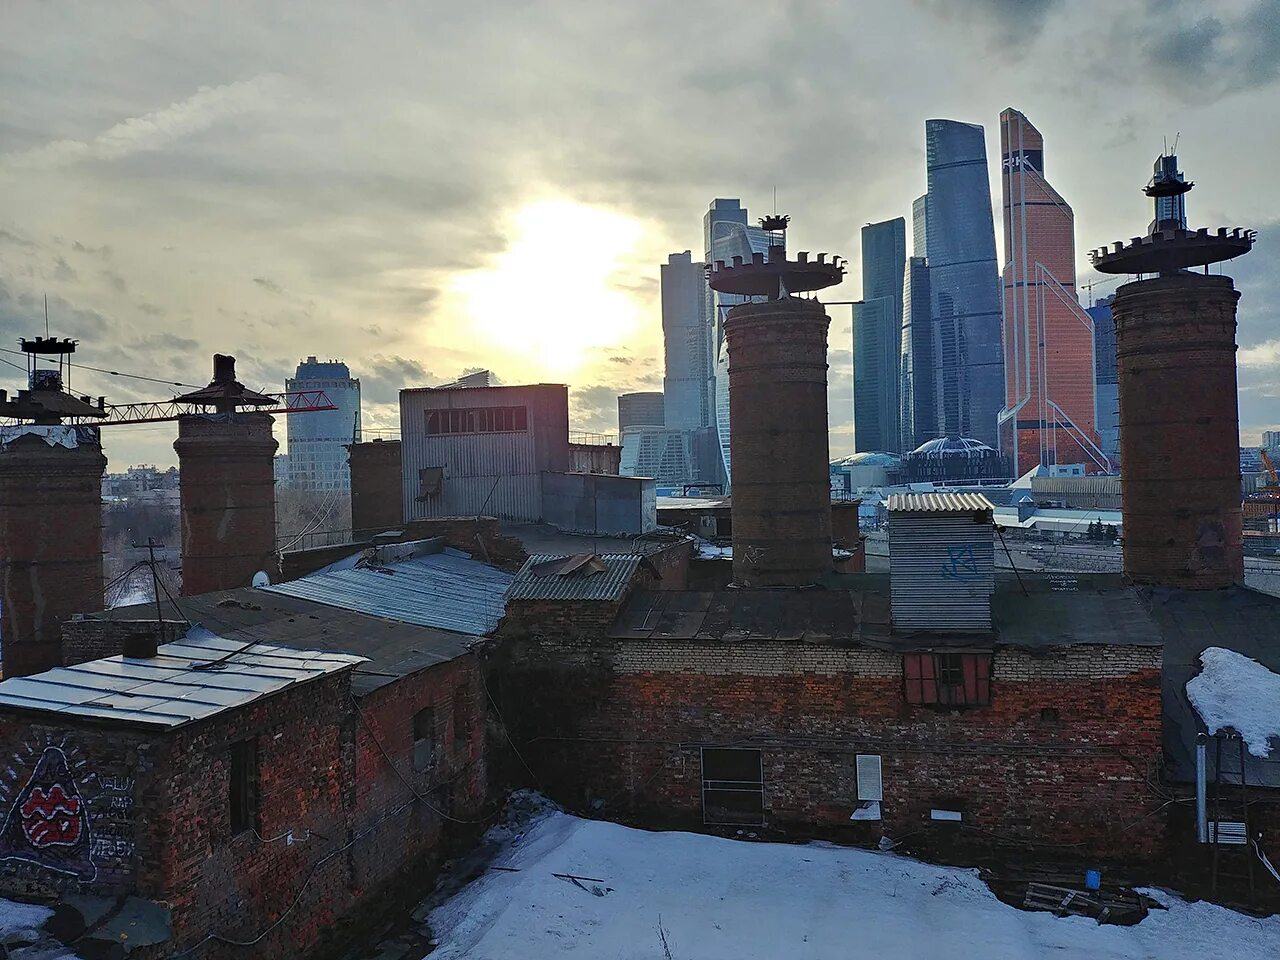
1235,692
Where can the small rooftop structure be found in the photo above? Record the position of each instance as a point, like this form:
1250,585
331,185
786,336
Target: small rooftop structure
579,577
191,679
225,393
421,582
937,503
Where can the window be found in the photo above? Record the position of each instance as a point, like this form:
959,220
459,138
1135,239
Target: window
430,482
732,786
1049,715
461,731
243,794
478,420
424,739
947,679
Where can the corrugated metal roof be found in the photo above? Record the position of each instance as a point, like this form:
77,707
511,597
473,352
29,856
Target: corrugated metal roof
169,689
609,584
937,502
447,590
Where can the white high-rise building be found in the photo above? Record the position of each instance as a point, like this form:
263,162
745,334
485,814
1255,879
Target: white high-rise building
727,235
317,457
686,334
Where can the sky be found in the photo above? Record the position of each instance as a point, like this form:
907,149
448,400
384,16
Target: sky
427,188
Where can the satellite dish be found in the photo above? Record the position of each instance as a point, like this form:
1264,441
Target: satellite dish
260,579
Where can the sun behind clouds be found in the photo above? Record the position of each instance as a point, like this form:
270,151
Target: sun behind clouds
550,300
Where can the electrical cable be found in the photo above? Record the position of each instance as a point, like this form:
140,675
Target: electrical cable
114,373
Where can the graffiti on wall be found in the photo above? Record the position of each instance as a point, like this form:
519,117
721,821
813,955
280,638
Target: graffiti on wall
48,821
62,817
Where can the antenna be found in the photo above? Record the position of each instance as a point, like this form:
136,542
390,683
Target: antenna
46,314
775,198
1176,137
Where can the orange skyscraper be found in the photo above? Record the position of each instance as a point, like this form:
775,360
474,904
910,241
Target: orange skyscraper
1048,338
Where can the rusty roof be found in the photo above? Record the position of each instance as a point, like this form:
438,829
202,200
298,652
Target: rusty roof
937,503
578,577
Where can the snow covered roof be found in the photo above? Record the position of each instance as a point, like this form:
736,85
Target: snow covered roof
1233,692
177,686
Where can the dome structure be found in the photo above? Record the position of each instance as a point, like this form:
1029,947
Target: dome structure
953,447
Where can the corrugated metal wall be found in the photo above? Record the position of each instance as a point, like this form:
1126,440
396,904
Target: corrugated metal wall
497,474
1079,493
941,571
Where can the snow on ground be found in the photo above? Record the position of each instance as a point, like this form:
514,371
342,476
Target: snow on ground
718,899
1234,691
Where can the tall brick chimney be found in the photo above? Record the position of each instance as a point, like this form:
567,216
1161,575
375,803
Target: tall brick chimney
226,486
1179,420
50,511
781,487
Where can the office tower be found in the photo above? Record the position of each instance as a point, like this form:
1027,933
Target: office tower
877,338
641,410
919,226
1049,411
1271,439
727,235
1106,384
686,334
963,281
1171,209
317,448
918,401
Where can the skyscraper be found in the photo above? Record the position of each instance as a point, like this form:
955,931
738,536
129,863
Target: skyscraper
877,337
686,334
919,226
1106,384
917,391
318,441
1049,411
727,235
641,409
963,281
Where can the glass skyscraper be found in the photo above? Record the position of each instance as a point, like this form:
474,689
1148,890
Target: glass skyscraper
1107,387
964,282
877,338
318,441
727,235
918,402
686,333
1048,418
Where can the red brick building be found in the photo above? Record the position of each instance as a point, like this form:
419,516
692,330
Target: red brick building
271,785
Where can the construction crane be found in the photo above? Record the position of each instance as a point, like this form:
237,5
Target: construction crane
1270,469
47,401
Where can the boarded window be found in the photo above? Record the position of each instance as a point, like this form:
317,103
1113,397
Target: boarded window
947,679
243,793
477,420
732,786
430,482
870,779
424,739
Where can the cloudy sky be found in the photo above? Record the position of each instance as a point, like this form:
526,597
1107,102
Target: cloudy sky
422,188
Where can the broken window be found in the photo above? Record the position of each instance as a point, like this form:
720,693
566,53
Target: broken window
947,679
243,792
430,482
732,786
477,420
424,739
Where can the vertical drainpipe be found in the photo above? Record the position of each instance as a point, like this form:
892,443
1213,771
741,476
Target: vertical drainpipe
1202,823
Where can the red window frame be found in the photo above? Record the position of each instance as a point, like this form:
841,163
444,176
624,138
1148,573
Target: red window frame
947,679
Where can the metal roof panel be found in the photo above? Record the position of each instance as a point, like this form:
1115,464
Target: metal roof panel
608,584
937,502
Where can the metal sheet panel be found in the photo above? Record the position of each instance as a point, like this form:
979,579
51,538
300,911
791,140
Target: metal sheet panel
610,584
937,502
446,590
170,689
941,571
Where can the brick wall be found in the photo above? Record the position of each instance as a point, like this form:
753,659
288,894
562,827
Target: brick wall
337,834
624,722
92,639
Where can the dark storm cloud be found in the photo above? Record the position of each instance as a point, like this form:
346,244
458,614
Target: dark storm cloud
1204,55
1008,23
383,377
266,283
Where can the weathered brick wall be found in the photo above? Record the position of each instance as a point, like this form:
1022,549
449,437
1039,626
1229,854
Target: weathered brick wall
337,829
623,723
92,639
403,830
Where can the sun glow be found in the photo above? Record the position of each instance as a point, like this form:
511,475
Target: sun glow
551,299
